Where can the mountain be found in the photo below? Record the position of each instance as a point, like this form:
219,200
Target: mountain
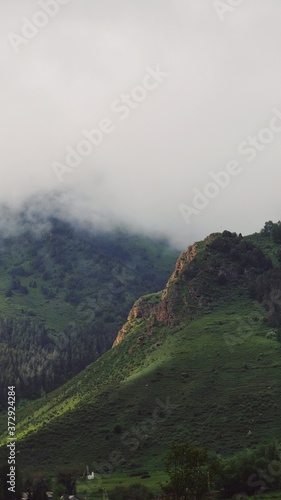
199,360
64,292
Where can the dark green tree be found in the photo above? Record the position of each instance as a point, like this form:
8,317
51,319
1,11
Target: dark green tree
190,471
266,231
67,478
276,233
40,486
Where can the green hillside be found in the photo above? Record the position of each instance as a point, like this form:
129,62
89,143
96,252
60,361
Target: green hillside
64,292
200,360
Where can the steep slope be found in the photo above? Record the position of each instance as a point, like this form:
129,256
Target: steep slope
199,280
64,292
197,360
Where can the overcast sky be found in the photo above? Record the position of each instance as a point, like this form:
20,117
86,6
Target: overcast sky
221,80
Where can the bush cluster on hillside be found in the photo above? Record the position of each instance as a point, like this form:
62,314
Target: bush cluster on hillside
266,289
195,474
238,250
272,229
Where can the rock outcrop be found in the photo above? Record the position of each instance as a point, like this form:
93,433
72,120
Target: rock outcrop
202,276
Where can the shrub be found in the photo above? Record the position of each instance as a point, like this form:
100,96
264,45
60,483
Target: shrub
276,233
267,290
189,469
278,255
266,231
246,471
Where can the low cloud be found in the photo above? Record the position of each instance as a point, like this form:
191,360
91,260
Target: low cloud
223,83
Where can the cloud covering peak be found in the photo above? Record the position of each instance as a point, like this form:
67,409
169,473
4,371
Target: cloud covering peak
87,68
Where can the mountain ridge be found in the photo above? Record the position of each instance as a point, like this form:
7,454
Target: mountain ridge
167,306
213,361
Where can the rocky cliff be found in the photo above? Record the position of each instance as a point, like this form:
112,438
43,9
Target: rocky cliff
205,273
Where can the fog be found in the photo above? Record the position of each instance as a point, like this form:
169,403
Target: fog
163,92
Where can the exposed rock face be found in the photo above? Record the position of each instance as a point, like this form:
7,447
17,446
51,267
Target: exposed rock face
201,278
159,308
142,309
183,261
121,334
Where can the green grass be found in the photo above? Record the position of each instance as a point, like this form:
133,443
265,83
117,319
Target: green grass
215,399
93,489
